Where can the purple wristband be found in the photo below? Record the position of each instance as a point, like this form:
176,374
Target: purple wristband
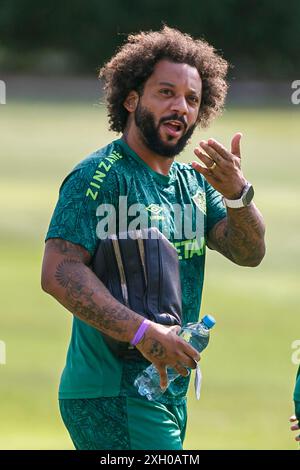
140,332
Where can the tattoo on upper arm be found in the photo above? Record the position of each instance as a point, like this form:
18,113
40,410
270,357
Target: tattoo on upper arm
65,274
63,247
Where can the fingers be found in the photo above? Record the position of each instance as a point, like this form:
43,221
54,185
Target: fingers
216,158
206,159
235,144
216,151
187,356
204,171
211,159
162,370
181,369
192,363
210,174
295,426
175,329
191,357
220,149
191,354
174,352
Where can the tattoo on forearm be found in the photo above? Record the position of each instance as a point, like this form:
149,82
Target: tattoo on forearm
240,236
218,239
80,292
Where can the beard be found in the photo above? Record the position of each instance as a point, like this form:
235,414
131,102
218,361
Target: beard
145,122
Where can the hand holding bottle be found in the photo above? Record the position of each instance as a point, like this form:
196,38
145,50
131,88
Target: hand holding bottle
163,347
149,382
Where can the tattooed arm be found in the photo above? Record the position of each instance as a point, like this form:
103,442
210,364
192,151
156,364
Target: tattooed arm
240,236
67,277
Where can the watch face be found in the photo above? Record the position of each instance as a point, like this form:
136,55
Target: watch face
248,196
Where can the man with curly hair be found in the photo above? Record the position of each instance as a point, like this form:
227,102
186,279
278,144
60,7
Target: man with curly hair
159,87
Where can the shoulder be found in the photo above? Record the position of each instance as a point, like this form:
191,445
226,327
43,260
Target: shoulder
102,161
97,172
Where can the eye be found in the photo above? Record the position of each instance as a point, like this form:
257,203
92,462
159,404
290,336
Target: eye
194,99
166,92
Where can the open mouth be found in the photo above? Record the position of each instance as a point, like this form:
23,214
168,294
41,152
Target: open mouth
173,128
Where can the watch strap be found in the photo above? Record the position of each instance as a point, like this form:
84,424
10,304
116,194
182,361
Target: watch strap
237,203
233,203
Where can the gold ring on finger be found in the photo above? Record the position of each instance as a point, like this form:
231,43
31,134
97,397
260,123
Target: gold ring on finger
212,167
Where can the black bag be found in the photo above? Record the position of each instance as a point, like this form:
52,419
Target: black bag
142,272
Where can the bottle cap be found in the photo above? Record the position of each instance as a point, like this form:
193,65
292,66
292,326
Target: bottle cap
209,321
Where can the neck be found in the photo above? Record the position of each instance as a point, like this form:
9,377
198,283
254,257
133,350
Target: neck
158,163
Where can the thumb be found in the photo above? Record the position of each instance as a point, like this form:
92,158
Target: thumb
236,144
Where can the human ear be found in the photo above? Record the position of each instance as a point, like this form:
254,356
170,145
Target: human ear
131,101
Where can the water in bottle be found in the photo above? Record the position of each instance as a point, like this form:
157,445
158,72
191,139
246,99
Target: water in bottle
197,335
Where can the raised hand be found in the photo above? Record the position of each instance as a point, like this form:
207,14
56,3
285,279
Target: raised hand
223,168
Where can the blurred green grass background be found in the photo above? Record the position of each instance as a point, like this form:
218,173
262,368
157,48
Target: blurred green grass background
248,376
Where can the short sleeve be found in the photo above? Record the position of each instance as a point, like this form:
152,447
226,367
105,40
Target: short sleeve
74,218
215,208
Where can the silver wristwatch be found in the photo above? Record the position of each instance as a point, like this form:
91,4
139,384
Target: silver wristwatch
245,199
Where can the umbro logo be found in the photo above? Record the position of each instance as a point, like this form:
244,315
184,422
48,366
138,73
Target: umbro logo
154,209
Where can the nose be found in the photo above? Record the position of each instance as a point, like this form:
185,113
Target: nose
179,105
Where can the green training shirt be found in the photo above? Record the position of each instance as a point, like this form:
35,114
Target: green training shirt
106,179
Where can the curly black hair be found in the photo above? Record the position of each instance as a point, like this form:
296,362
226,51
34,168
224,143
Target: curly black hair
134,63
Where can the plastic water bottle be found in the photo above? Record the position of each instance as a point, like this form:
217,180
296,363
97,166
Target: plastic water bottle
197,335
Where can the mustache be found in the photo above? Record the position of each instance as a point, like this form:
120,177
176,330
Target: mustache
174,117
